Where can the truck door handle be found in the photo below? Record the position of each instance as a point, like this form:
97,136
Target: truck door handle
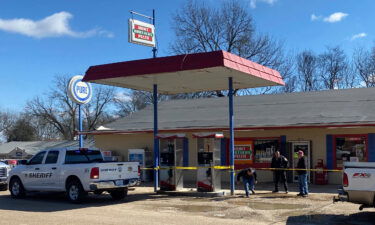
54,168
36,168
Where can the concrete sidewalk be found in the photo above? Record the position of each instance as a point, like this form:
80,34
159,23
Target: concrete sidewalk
265,186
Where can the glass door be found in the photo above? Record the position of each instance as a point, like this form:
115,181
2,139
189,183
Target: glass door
305,147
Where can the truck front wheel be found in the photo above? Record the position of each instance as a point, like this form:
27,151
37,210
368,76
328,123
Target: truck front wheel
119,194
75,192
16,188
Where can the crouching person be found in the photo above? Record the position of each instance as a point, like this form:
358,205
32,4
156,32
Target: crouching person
249,179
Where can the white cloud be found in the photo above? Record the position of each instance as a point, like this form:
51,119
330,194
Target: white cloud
315,17
253,3
335,17
360,35
56,25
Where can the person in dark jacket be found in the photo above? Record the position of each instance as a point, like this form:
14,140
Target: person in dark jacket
278,163
302,175
249,179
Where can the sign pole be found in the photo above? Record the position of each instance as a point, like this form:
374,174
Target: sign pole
144,34
80,125
153,23
231,135
156,140
80,92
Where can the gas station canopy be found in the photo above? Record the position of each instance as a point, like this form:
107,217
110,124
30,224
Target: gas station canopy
185,73
209,71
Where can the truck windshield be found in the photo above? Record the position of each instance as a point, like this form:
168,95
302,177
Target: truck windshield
83,156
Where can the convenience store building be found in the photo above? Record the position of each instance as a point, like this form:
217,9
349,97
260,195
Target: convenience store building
332,126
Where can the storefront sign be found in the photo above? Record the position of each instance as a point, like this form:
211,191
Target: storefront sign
141,33
243,152
79,91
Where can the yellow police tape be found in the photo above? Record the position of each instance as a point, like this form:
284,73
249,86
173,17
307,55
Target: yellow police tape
230,168
295,169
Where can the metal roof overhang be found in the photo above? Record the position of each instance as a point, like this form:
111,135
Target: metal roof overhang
221,129
185,73
188,73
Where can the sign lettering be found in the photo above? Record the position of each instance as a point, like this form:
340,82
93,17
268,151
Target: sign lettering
79,91
40,175
141,33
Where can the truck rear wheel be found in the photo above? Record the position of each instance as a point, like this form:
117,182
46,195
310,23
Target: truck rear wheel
16,188
119,194
75,192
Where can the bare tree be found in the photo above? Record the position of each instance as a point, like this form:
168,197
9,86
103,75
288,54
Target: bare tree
134,100
333,68
350,79
21,130
95,112
199,28
307,71
7,120
364,61
58,112
288,71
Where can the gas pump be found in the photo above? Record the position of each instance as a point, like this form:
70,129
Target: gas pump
171,155
209,152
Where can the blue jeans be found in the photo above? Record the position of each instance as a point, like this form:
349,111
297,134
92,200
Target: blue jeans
248,185
302,180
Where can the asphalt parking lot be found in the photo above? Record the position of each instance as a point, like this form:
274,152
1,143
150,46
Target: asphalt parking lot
142,206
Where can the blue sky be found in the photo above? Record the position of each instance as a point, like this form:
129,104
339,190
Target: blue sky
94,32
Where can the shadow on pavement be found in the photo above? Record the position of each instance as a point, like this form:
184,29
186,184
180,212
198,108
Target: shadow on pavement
363,218
52,202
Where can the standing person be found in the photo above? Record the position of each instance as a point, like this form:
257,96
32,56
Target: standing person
249,179
302,175
278,163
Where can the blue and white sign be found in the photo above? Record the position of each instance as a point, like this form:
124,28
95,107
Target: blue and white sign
79,91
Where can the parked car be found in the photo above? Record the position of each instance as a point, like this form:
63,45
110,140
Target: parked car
74,171
358,184
4,172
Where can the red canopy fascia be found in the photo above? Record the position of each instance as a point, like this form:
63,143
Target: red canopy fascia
185,73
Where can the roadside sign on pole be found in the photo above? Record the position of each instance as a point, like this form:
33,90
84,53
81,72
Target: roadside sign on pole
141,33
79,91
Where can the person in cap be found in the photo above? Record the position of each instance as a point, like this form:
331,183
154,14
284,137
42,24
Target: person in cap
302,175
249,179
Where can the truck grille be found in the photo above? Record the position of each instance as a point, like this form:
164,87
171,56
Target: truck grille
3,172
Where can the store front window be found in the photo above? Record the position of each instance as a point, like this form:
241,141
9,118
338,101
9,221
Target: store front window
350,148
264,150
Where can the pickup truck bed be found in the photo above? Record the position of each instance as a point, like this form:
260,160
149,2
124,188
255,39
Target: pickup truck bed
358,183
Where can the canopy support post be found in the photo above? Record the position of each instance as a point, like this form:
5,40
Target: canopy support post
156,141
231,136
80,136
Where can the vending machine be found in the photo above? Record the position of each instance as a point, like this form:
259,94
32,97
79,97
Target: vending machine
171,155
209,156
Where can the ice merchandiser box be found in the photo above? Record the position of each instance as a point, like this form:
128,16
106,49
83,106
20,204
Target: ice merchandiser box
209,156
171,156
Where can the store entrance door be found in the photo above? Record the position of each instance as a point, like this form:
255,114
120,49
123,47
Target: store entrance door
305,147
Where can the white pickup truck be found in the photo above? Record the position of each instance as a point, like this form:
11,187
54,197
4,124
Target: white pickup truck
358,184
74,171
4,172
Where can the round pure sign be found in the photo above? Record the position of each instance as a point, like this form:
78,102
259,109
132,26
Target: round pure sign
79,91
